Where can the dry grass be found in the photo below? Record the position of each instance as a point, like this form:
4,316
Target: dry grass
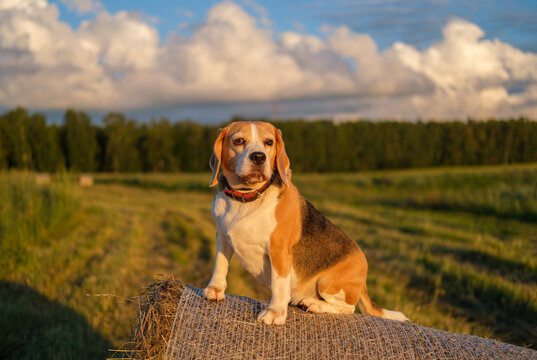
156,312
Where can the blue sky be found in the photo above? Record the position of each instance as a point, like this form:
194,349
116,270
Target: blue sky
415,22
210,60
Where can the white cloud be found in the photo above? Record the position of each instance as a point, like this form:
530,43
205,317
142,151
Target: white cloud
117,61
259,10
471,76
25,6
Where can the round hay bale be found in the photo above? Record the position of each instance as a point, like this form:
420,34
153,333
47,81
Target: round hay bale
85,180
177,323
42,179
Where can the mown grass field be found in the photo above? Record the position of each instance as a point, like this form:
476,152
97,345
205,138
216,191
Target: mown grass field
453,248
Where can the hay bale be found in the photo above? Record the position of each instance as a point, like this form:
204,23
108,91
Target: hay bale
42,179
85,180
180,324
157,307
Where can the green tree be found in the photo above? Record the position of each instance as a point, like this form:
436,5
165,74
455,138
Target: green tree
121,152
44,144
28,142
79,141
193,145
3,145
157,147
17,146
55,160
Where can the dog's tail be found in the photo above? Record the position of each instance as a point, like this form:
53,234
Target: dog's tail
367,306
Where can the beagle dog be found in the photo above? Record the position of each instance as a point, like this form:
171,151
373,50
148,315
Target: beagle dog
278,236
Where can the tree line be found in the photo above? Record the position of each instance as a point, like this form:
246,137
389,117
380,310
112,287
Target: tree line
121,144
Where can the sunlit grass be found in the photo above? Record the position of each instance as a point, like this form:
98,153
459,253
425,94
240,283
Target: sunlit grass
454,249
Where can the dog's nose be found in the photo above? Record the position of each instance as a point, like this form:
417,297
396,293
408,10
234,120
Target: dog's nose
258,158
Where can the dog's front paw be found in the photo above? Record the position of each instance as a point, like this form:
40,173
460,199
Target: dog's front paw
213,293
272,317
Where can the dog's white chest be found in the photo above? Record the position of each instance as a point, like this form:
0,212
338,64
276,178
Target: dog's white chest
248,227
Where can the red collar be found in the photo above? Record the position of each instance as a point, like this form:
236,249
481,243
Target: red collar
247,196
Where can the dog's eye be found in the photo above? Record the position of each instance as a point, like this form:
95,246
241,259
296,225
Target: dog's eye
269,142
238,141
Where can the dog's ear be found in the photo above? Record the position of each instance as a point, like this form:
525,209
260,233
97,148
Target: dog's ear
282,160
216,157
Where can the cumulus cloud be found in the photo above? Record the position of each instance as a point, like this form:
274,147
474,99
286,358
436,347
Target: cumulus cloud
117,61
471,76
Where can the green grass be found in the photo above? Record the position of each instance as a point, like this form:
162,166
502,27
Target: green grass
37,318
453,248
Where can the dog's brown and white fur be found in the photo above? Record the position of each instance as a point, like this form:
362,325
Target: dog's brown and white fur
280,238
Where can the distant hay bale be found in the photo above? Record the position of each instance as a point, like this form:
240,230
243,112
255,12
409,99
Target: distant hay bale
85,180
42,179
175,322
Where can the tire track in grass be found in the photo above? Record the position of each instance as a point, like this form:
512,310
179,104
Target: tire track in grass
512,270
494,302
483,250
93,264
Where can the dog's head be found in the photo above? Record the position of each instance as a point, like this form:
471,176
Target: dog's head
249,153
